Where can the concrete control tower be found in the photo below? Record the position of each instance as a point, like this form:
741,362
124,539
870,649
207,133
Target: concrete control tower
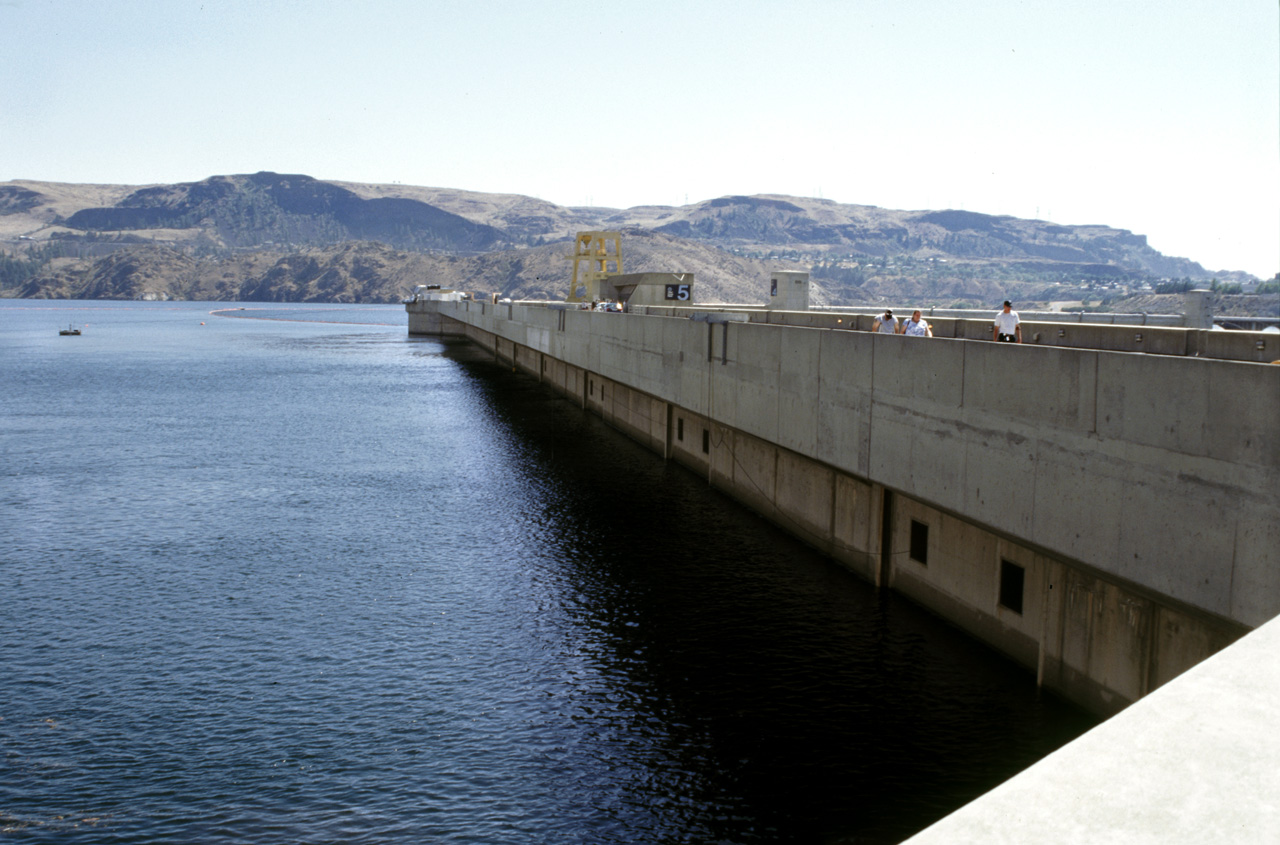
788,291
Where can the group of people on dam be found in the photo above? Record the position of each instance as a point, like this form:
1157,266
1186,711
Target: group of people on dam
1006,327
917,326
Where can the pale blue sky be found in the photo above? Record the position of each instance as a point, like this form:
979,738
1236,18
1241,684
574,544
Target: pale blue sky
1162,118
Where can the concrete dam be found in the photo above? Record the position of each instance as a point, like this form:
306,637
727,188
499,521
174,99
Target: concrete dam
1106,516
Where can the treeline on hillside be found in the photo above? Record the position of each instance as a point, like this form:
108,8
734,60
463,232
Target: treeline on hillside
1186,286
16,269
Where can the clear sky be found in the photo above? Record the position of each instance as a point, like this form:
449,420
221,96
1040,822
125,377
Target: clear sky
1158,117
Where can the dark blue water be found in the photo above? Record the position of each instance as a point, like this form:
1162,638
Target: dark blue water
305,579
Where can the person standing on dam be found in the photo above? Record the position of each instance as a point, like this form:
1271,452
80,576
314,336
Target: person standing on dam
916,326
1006,327
886,323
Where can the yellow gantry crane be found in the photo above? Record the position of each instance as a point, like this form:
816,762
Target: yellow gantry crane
593,247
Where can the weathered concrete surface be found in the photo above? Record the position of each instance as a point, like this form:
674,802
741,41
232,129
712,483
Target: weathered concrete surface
1139,495
425,318
1195,761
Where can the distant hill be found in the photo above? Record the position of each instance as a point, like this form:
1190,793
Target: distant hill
239,211
276,236
374,272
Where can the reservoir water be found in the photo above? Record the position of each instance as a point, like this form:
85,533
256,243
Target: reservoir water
289,575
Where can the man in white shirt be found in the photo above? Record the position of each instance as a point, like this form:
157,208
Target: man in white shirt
1006,327
886,323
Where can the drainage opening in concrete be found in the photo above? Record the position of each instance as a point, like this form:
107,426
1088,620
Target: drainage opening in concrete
679,428
919,542
706,441
1012,579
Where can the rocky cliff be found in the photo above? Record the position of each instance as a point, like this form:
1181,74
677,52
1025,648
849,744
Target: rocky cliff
275,208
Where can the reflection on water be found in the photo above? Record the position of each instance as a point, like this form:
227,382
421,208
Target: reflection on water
819,706
271,581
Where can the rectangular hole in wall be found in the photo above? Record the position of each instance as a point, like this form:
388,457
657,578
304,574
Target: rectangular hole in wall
593,387
919,542
1012,580
706,441
680,428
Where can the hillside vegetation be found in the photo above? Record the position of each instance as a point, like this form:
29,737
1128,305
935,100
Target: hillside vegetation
275,237
374,272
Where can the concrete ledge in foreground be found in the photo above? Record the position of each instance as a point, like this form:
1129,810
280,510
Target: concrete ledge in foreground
1198,760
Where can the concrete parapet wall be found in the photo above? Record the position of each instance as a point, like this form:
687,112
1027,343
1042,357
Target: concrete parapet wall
1159,336
1077,317
1260,346
1139,494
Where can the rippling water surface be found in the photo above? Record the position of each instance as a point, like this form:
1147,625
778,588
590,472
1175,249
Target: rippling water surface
299,578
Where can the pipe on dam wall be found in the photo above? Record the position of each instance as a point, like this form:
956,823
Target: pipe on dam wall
1095,636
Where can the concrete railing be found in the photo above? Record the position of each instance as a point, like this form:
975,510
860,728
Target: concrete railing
1262,347
1079,317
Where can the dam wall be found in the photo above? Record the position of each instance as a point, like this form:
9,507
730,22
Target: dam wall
1107,519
